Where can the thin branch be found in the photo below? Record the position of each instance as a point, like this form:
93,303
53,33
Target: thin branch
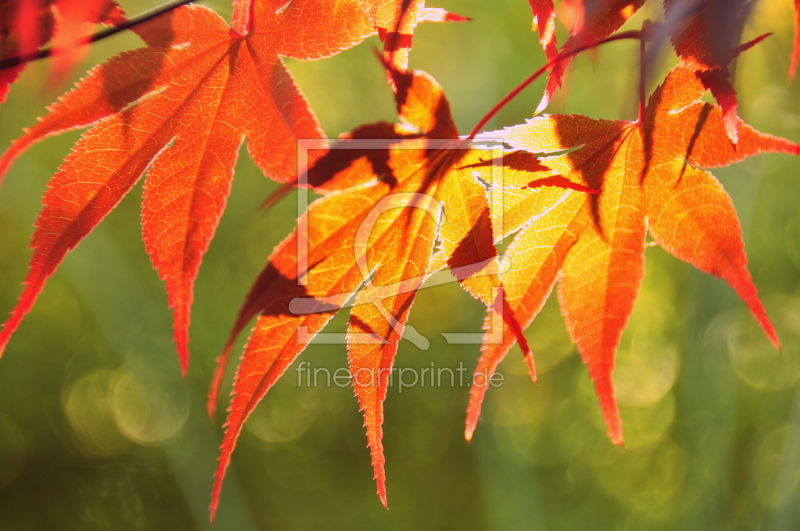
100,35
635,34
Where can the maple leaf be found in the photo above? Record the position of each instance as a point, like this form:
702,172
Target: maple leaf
370,244
179,109
396,20
599,19
704,34
26,25
544,20
652,176
796,47
75,21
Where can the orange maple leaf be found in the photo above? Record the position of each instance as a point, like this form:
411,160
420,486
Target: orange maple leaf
396,20
370,243
705,34
75,21
544,20
796,47
179,110
24,26
652,179
598,20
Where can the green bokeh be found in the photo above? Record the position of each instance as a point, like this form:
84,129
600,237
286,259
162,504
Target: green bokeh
99,431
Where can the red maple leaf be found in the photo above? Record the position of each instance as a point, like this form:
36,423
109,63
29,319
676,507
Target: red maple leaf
370,243
75,21
653,179
396,20
598,20
26,25
796,47
179,110
544,20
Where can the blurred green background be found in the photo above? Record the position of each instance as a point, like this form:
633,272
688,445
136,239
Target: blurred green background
99,431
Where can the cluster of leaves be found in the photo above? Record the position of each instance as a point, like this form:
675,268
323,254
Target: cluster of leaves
578,196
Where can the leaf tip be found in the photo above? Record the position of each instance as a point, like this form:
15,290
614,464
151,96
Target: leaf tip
468,432
211,406
183,356
435,14
224,460
382,496
741,281
510,319
212,509
14,321
542,104
473,414
766,324
773,338
453,17
216,382
531,366
604,388
212,512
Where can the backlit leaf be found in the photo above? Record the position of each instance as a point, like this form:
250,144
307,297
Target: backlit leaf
600,18
371,243
179,109
652,178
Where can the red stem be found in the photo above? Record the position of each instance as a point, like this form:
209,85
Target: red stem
634,34
642,72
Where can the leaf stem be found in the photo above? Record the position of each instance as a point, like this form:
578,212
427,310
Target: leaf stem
642,69
634,34
100,35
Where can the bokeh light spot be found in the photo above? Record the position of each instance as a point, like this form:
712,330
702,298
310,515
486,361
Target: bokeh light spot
646,371
777,466
754,359
88,411
149,405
